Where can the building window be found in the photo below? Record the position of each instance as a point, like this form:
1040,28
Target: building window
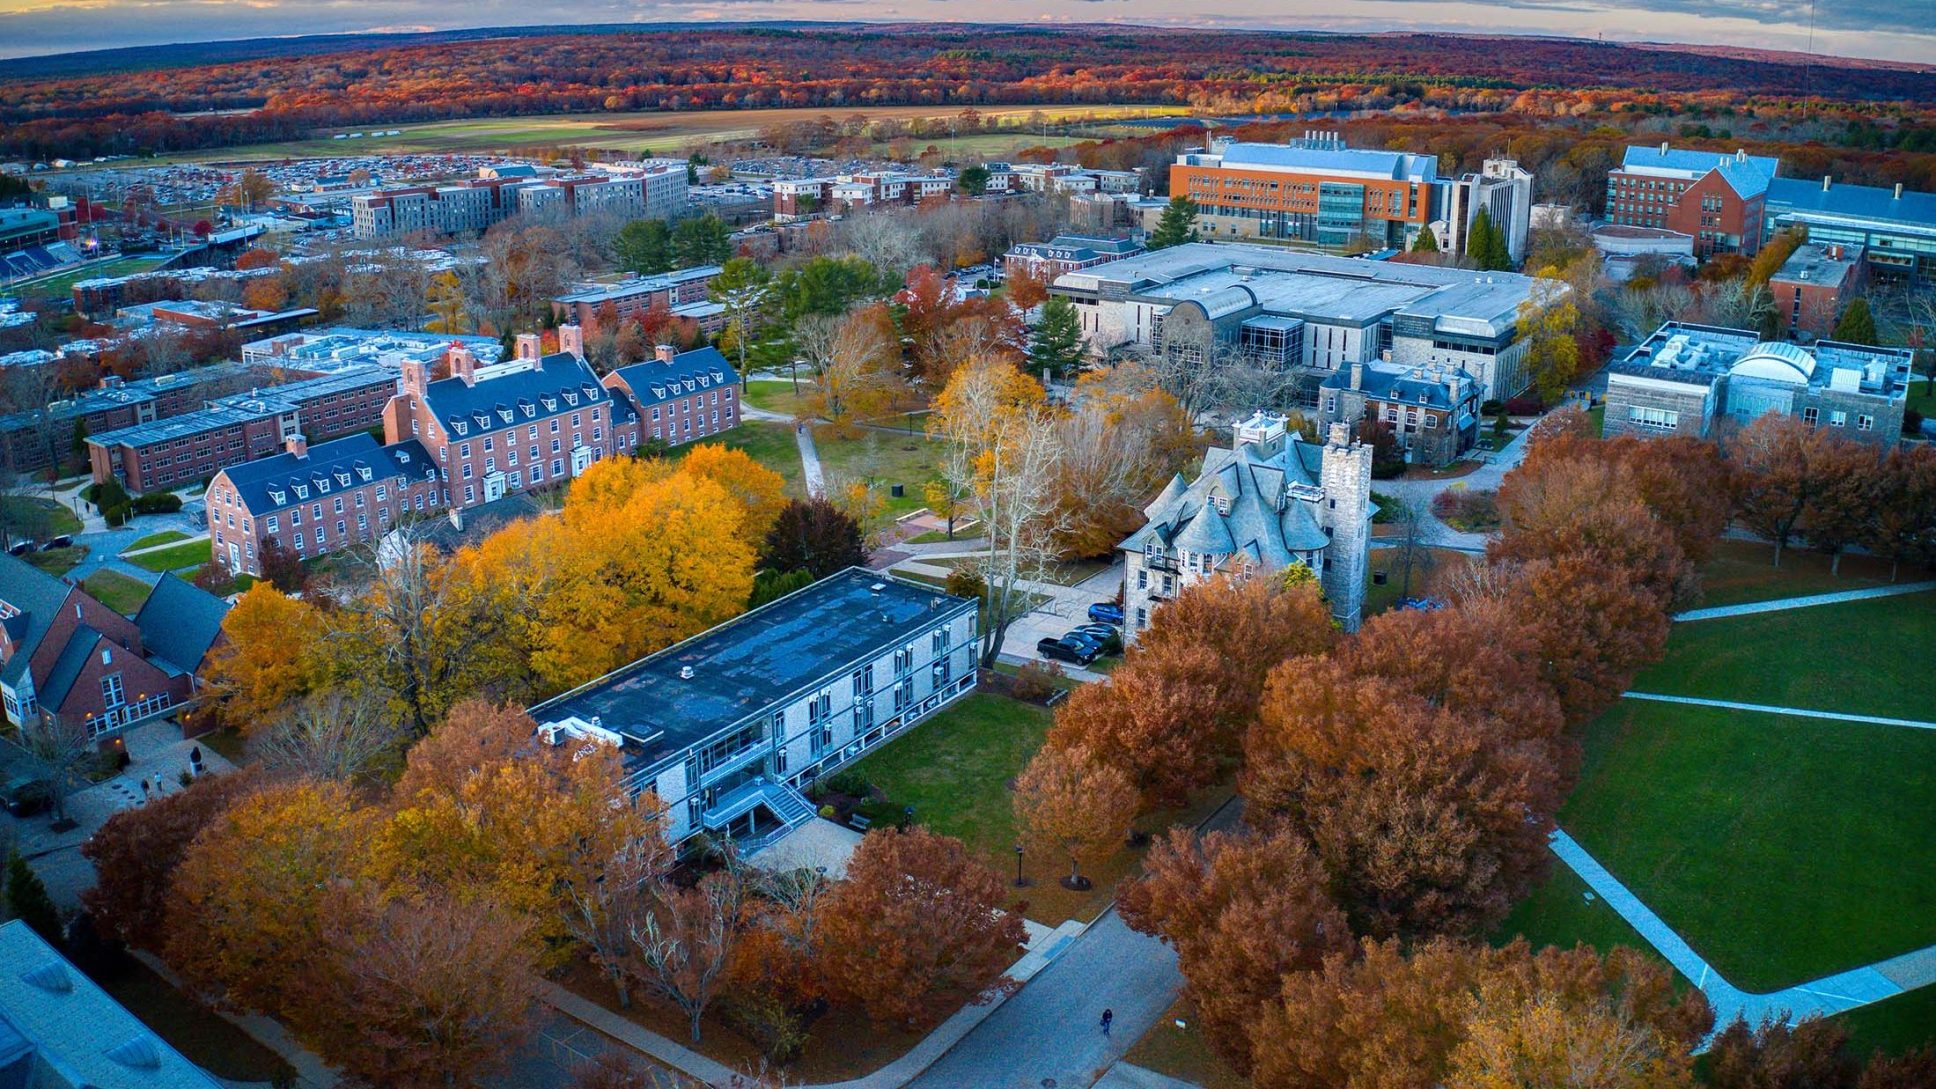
1838,418
112,695
1865,423
1811,416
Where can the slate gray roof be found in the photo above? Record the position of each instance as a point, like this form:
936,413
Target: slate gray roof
1397,165
1263,521
324,469
655,382
753,661
75,1027
555,384
179,623
1409,385
1748,176
67,668
35,595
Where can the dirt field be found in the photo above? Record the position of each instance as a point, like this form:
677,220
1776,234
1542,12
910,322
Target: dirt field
661,132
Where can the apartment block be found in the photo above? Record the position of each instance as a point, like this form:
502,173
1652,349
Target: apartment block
308,501
170,452
1045,261
730,726
1314,190
680,396
683,293
478,203
1715,197
1503,191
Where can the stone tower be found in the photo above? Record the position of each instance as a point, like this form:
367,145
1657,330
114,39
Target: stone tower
1345,514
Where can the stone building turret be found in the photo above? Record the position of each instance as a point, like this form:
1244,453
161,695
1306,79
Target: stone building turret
1345,514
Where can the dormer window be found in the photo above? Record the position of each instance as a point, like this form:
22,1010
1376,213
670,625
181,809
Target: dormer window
550,403
591,393
571,397
364,472
322,485
483,421
689,385
504,413
1223,504
403,457
704,381
342,478
277,495
460,427
302,491
528,409
658,390
719,376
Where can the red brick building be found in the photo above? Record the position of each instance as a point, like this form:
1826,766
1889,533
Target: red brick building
680,396
1044,261
1716,198
1814,284
314,500
169,452
683,293
525,423
66,655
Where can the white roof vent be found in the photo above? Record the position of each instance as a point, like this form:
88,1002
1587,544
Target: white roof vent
685,673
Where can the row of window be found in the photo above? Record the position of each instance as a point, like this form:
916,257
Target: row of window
1837,418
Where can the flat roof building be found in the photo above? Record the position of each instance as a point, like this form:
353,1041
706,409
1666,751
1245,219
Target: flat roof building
1895,227
1313,190
730,725
1704,380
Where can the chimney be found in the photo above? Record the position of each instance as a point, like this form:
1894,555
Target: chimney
463,363
414,376
1663,147
1340,435
571,339
664,352
1357,376
530,346
296,445
1740,155
1825,178
1898,190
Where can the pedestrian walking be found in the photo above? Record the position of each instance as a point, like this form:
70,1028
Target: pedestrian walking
144,789
1108,1018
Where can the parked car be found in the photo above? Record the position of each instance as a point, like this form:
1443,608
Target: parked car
1106,634
1104,612
23,797
1081,639
21,548
62,541
1058,651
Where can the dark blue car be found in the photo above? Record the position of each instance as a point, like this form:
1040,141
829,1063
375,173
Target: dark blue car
1105,613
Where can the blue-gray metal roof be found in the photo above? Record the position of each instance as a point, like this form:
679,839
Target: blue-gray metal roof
323,469
67,668
1853,201
557,383
179,623
655,381
753,661
1396,165
1747,175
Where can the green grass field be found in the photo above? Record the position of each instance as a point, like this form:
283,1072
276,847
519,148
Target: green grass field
122,593
60,284
883,459
166,536
175,557
660,131
57,561
776,395
38,518
1859,657
1744,571
769,443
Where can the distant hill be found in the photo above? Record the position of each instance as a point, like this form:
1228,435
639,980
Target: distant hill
226,94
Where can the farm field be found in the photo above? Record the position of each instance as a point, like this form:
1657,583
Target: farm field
662,131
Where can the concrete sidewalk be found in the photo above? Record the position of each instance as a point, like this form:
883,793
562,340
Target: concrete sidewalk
1799,712
1783,604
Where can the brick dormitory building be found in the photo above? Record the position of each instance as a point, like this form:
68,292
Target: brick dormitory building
451,444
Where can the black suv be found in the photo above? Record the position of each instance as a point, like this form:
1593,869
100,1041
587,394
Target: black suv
1075,653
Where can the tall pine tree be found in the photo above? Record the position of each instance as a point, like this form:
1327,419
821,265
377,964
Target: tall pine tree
1057,343
27,899
1486,244
1427,242
1177,225
1857,324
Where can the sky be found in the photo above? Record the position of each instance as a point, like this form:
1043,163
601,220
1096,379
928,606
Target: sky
1903,30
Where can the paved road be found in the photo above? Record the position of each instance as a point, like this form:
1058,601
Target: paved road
1050,1030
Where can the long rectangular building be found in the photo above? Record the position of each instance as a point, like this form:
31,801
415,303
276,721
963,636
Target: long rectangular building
1895,228
1715,197
168,453
731,725
1311,313
1315,190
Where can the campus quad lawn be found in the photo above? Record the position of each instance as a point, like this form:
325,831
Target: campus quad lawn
46,517
117,591
155,540
957,769
1744,571
57,561
1858,657
776,395
882,459
174,558
1783,849
765,441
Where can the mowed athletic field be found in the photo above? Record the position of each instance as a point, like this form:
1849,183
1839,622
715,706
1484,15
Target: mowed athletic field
663,132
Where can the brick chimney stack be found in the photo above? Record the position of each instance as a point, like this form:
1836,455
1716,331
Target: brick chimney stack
415,377
664,352
296,445
463,364
571,339
530,346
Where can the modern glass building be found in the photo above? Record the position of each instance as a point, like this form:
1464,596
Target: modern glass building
1896,228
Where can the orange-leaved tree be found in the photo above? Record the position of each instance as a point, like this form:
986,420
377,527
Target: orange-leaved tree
1068,802
267,658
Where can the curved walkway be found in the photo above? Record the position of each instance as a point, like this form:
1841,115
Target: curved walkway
1833,994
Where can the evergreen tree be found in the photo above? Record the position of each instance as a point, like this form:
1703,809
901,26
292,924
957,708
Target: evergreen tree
1177,225
1057,342
701,241
1486,244
644,246
973,180
1427,242
27,899
1857,324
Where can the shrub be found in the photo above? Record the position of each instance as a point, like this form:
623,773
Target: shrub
118,514
1491,406
1467,510
106,495
157,503
1035,682
851,783
965,582
828,812
1912,422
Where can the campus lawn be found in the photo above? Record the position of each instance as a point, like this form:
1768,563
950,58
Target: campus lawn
1860,657
34,516
1744,571
776,395
1380,598
175,557
122,593
57,561
154,540
1559,913
1597,418
957,771
882,459
1783,849
1183,1052
765,441
1903,1023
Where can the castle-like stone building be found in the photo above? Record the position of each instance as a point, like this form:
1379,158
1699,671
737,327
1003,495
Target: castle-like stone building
1272,499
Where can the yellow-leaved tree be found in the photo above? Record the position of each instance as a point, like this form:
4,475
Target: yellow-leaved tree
760,491
266,659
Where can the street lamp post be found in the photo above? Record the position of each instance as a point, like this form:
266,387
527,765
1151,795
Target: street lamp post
1020,881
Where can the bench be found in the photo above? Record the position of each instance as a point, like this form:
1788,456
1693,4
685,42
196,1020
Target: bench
859,823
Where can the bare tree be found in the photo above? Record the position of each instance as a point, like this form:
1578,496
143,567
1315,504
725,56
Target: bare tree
603,901
58,744
686,937
330,735
1410,549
